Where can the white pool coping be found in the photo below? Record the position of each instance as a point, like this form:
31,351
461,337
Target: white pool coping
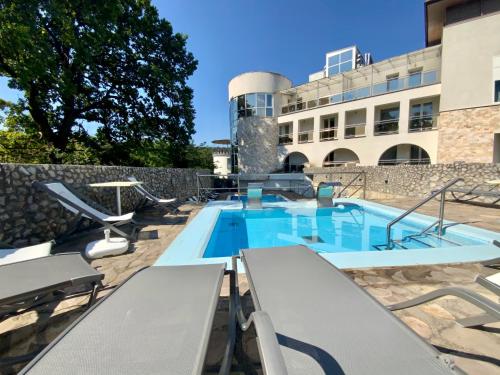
188,247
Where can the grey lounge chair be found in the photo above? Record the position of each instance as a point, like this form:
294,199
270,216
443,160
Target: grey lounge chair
326,193
491,309
150,198
326,324
469,194
158,322
73,203
25,283
9,254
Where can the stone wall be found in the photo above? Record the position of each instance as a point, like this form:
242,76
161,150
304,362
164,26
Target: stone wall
468,134
28,216
410,180
258,145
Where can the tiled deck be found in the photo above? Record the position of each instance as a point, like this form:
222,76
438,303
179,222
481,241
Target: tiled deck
476,351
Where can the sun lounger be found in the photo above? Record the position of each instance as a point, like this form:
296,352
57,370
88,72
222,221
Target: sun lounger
326,324
24,283
158,322
480,190
150,198
491,309
12,255
326,193
72,202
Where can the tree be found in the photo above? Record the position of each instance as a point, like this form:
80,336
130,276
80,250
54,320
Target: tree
114,63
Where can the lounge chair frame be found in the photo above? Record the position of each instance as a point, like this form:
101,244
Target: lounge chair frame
467,195
150,199
75,224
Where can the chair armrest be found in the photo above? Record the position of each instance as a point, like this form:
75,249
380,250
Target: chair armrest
269,348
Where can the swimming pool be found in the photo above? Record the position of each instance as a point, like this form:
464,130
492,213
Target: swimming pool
350,235
267,198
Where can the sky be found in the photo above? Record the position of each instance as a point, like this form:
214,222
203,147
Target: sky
229,37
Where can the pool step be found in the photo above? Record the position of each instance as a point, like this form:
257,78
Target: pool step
423,241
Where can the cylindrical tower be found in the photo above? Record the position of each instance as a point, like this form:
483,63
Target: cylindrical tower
253,112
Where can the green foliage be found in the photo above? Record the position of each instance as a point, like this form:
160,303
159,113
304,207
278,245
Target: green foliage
112,63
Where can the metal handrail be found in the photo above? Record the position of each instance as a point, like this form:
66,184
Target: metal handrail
435,193
362,173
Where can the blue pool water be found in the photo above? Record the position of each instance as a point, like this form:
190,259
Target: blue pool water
267,198
346,228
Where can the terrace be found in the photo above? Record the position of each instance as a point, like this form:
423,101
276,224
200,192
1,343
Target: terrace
474,350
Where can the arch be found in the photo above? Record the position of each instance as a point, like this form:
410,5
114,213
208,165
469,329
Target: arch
404,153
295,162
340,157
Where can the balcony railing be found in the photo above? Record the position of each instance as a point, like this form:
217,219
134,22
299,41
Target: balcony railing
355,130
404,161
306,136
339,163
285,139
384,127
396,84
423,123
328,134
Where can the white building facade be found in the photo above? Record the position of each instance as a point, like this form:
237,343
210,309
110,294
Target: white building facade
440,104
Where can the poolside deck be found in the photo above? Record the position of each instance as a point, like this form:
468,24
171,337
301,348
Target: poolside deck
476,351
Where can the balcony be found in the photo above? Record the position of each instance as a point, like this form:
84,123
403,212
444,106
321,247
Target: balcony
423,123
306,136
386,127
328,134
384,87
354,130
285,139
416,161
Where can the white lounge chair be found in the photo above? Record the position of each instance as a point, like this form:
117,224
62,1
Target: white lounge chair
13,255
150,198
69,200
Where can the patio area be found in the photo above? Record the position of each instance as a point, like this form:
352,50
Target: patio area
477,351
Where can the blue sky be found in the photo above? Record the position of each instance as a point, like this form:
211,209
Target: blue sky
290,37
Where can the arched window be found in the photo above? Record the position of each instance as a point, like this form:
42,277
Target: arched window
340,157
404,154
295,162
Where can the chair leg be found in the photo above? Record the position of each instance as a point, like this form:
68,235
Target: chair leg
476,321
93,294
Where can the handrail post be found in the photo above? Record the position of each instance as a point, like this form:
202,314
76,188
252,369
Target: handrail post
364,184
198,186
238,183
441,213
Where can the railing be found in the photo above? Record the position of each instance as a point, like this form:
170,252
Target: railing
356,181
285,139
385,127
404,161
422,123
338,163
432,195
306,136
327,134
396,84
236,183
354,130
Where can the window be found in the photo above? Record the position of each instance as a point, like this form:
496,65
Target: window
497,91
285,134
393,82
340,62
389,121
421,117
328,129
415,79
258,104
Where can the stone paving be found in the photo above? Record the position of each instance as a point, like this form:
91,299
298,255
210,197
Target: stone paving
477,351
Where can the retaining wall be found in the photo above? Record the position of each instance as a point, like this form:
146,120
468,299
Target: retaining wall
28,216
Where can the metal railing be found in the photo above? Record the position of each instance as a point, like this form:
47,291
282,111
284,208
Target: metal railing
385,127
423,123
377,88
328,134
237,183
356,181
306,136
404,161
432,195
285,139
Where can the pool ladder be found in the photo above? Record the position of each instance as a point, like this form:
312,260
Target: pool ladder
437,224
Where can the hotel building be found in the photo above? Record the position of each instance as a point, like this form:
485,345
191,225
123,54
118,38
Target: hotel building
440,104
